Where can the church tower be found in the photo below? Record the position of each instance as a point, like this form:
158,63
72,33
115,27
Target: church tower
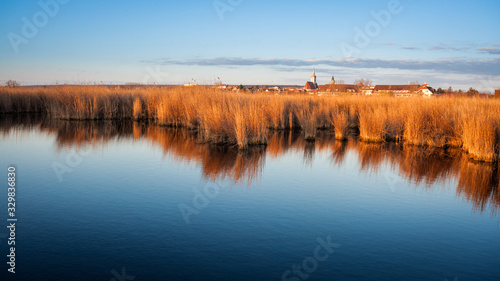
313,78
332,81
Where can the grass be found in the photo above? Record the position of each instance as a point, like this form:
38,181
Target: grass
245,120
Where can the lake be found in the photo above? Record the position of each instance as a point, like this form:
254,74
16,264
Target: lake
127,201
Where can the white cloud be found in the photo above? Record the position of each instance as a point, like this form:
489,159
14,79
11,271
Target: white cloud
453,65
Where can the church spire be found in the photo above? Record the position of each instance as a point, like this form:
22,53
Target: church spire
313,78
332,81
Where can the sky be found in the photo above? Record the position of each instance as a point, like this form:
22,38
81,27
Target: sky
443,43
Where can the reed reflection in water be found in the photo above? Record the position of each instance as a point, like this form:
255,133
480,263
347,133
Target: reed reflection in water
478,183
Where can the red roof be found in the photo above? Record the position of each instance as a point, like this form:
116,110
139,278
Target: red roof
410,88
310,86
339,88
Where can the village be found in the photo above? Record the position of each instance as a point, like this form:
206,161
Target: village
363,87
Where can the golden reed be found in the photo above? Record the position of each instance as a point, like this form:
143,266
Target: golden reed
478,183
245,119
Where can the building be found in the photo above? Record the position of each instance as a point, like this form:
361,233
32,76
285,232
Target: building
312,85
426,90
396,90
333,87
497,94
366,90
313,79
339,88
392,90
404,90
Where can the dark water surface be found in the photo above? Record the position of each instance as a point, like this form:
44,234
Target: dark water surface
125,201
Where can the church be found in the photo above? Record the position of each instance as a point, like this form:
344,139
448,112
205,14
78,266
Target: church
313,85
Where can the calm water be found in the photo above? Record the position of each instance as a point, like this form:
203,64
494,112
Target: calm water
108,201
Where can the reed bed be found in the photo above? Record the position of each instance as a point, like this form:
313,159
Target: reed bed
477,182
245,120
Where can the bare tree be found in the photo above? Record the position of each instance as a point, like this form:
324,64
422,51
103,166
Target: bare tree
364,82
12,84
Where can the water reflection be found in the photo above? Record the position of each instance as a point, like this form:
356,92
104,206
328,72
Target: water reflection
478,183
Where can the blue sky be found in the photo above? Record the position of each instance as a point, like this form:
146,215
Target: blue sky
443,43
